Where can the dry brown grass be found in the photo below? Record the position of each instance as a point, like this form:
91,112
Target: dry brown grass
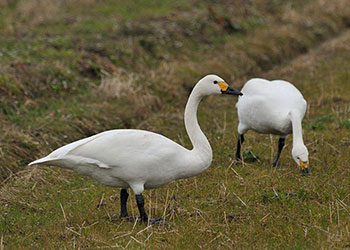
37,12
320,53
118,85
15,146
126,86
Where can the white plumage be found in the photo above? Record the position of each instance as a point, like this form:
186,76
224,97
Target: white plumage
273,107
125,158
138,159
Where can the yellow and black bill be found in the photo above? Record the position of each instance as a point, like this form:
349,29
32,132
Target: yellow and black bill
304,167
226,89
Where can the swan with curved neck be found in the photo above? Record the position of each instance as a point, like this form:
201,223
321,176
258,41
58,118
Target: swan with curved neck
273,107
139,159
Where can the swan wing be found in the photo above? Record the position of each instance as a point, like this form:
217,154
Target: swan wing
61,156
65,150
127,147
69,161
115,148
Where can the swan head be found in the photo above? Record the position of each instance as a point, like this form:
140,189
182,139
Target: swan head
301,157
215,85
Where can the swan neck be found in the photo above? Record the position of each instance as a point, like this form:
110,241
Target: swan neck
199,141
297,128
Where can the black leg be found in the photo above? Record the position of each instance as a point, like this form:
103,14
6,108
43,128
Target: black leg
280,147
141,206
239,143
123,199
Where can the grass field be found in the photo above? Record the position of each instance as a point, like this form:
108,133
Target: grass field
73,68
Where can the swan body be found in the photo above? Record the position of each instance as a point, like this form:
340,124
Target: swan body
138,159
128,158
273,107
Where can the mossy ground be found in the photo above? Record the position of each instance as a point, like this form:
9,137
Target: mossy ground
53,59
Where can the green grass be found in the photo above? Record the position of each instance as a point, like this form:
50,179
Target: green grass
51,65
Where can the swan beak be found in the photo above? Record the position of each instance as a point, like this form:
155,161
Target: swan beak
225,89
304,168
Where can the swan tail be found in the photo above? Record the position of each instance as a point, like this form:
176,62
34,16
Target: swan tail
45,160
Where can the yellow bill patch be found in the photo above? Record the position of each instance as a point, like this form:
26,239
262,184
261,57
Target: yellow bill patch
303,165
223,86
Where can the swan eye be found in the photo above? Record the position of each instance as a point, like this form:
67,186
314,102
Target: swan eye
215,82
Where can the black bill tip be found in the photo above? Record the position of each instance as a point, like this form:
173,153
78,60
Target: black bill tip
231,91
306,172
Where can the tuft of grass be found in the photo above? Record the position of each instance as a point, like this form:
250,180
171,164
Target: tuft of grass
319,122
345,124
249,156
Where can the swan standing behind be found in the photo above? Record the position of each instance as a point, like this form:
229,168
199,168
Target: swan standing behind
273,107
138,159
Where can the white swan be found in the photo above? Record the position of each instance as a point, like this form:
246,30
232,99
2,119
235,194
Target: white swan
138,159
273,107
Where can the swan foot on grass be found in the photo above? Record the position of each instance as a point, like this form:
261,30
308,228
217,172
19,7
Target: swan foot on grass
159,221
150,221
117,219
127,218
275,164
238,161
